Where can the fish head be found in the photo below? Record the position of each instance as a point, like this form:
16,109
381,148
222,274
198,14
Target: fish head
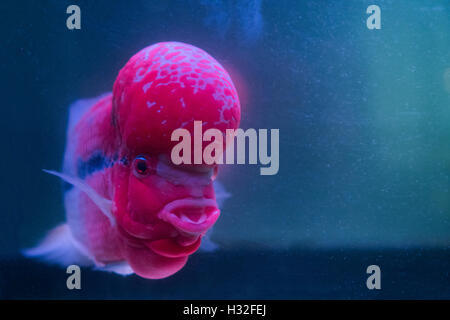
164,209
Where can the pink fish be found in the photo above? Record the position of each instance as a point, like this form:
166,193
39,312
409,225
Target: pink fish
129,209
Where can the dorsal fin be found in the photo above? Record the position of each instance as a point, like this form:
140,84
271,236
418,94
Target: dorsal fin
76,111
79,108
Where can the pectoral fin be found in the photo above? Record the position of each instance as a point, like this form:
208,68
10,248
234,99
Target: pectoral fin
105,205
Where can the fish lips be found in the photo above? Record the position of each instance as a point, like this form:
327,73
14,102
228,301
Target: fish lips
170,248
192,217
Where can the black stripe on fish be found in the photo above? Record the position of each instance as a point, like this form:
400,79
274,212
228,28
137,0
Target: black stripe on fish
97,162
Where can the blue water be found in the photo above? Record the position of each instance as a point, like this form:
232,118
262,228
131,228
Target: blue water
364,132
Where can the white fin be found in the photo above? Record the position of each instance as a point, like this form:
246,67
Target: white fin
80,107
76,111
221,195
105,205
59,247
122,268
207,244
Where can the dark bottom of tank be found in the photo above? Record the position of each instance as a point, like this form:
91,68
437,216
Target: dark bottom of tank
251,274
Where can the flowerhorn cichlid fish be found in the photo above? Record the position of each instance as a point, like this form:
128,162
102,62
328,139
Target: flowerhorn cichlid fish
129,208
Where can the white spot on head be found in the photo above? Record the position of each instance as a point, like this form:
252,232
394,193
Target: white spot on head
150,104
140,74
183,104
146,86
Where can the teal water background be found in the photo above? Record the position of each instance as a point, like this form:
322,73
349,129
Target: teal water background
364,119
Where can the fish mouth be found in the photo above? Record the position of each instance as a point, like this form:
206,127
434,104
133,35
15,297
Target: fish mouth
171,248
192,217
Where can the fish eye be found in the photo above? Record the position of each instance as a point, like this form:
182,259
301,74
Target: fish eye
141,166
